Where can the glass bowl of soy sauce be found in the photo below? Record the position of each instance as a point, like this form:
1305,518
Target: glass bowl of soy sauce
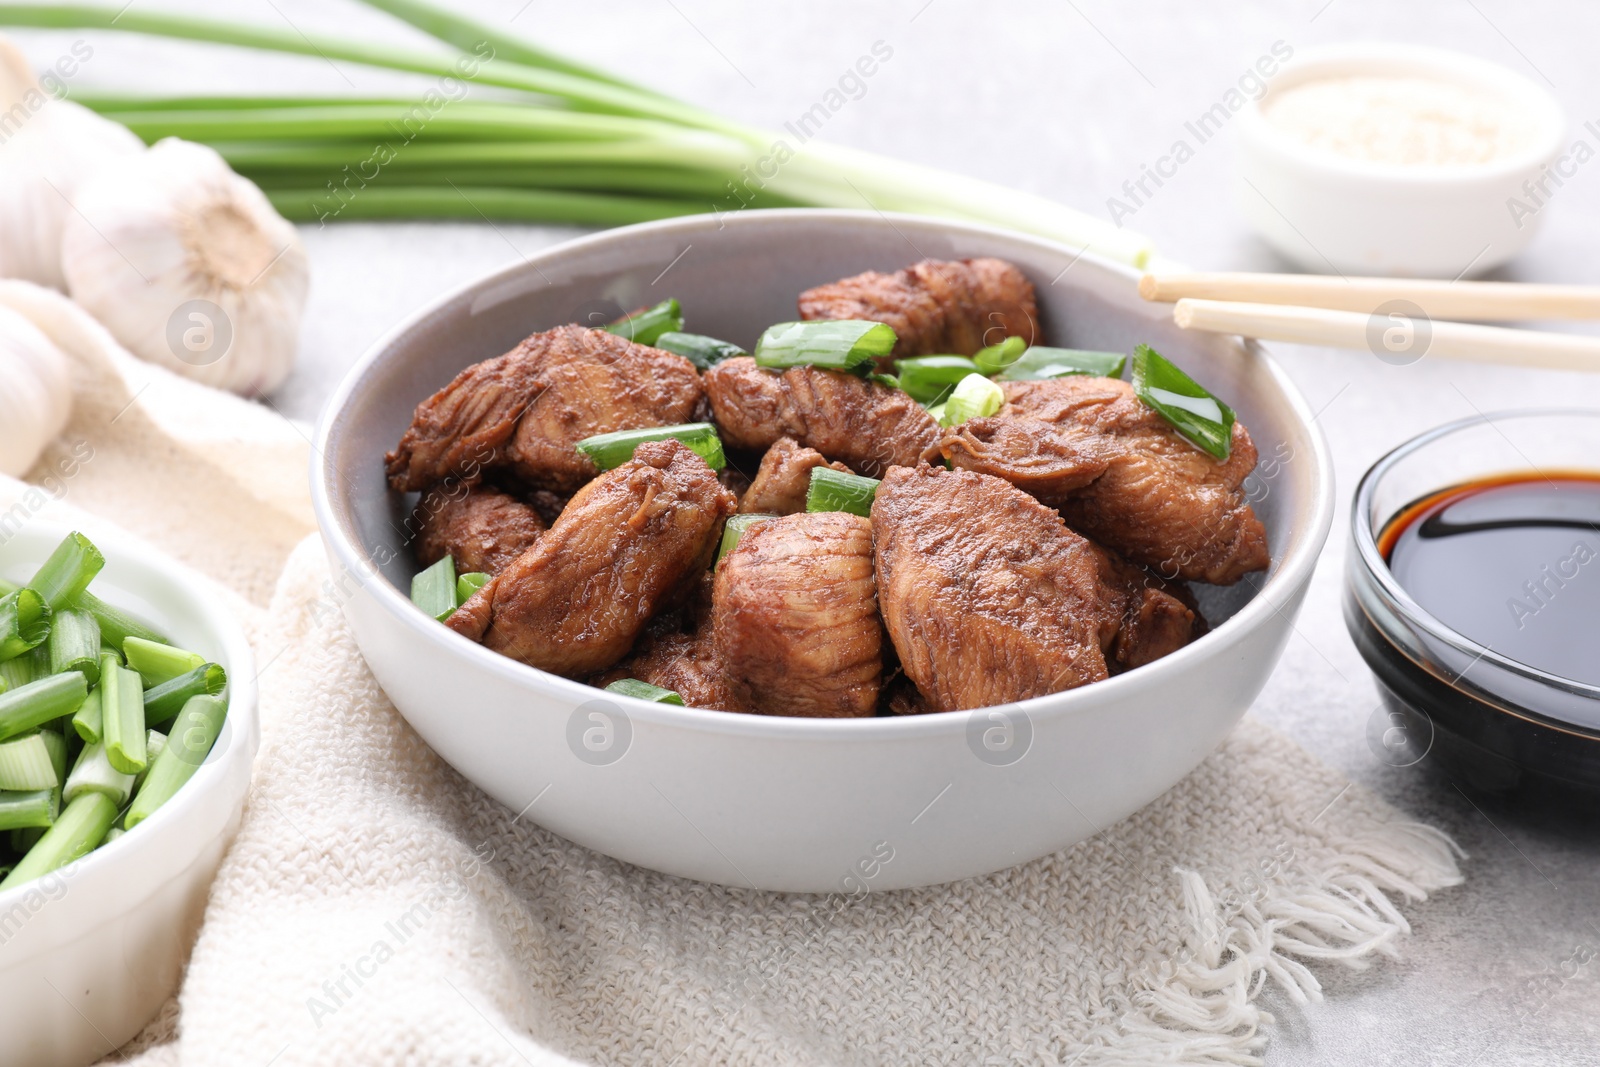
1473,594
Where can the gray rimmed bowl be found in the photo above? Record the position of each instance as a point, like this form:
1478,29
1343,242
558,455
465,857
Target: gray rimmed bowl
808,805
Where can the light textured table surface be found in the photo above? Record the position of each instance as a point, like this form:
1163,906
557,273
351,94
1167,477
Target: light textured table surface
1068,100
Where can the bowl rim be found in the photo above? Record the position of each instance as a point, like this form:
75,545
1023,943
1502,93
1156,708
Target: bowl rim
242,694
1413,613
1427,60
1271,598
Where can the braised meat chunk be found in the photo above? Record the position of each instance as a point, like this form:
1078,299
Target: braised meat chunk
628,544
483,529
783,479
935,306
679,652
796,617
1145,616
1160,501
1049,461
986,594
869,427
526,410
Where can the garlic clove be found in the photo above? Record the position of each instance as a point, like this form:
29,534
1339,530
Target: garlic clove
57,145
35,392
188,265
16,75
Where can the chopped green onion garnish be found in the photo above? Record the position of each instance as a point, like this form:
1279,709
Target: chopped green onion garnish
647,326
937,411
122,717
704,352
68,571
632,687
157,662
930,379
1205,421
24,622
93,773
853,345
30,761
1040,363
34,704
35,807
77,830
887,380
88,720
996,358
610,450
434,589
167,699
734,529
470,583
190,741
974,396
832,490
116,625
75,644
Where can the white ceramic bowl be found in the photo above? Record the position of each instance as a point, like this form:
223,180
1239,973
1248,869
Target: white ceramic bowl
89,953
1332,214
787,803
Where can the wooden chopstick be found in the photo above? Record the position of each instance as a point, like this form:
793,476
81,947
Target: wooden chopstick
1397,340
1472,301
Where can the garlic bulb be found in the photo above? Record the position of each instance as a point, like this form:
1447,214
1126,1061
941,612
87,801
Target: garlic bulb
47,148
188,265
35,392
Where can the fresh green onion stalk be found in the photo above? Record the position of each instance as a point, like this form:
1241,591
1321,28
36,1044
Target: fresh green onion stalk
193,734
609,450
75,643
468,584
974,397
41,701
164,701
646,326
1202,419
832,490
633,687
32,761
24,622
852,345
157,662
1039,363
116,625
81,826
122,707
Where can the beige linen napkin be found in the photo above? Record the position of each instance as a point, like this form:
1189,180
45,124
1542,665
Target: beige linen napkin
378,909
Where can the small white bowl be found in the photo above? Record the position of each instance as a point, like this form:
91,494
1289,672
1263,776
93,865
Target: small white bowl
89,953
795,804
1332,214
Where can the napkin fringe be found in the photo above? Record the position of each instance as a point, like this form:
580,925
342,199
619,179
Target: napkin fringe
1340,906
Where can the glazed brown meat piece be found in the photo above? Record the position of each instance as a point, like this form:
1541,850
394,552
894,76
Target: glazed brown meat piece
986,594
796,617
628,545
934,306
869,427
783,478
525,410
679,652
1158,500
483,529
1145,616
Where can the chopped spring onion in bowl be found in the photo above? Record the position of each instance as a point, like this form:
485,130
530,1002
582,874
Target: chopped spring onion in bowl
1039,363
704,352
610,450
930,379
735,528
1203,420
433,589
633,687
646,326
974,397
852,345
832,490
997,357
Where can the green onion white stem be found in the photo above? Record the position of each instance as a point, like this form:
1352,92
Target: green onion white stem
609,450
974,396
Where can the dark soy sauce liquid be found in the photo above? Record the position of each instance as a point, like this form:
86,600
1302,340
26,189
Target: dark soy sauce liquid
1512,563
